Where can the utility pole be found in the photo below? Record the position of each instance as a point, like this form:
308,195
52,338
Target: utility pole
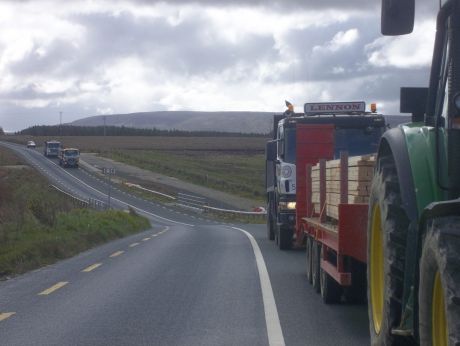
104,124
60,125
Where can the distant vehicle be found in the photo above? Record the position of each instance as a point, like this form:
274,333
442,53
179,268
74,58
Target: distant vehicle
69,157
30,144
51,148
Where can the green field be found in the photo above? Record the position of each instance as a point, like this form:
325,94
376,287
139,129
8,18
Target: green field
39,225
241,174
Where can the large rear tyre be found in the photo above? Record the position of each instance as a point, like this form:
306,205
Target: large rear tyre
315,265
331,291
387,229
439,287
308,261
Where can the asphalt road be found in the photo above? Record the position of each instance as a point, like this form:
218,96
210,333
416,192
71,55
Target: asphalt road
187,281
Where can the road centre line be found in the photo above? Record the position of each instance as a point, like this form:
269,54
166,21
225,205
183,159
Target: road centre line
5,315
272,321
91,267
129,205
134,244
115,254
53,288
145,239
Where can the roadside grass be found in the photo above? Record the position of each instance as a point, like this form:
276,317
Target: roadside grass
39,225
241,174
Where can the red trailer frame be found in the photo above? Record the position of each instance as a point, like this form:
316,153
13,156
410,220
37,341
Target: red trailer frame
346,238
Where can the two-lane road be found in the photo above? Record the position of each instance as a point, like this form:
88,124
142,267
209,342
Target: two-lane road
187,281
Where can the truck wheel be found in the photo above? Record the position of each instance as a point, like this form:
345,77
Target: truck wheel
308,248
284,238
356,293
439,288
386,232
315,265
330,290
270,228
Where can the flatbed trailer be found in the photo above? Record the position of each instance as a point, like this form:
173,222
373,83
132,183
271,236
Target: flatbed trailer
336,248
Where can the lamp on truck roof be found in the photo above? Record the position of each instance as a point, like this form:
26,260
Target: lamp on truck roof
374,107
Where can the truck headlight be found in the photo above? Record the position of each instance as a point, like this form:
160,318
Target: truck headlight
287,205
286,172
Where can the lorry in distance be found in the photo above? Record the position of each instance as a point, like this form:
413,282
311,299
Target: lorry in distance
51,148
69,157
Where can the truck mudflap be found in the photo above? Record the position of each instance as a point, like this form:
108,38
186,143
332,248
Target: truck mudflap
286,219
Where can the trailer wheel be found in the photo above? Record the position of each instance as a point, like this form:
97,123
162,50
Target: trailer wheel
387,227
315,265
331,291
308,249
439,287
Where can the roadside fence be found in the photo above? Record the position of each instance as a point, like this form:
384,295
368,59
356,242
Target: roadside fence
191,202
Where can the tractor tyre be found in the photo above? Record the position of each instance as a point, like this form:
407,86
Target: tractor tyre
386,237
331,291
308,253
270,226
439,286
315,265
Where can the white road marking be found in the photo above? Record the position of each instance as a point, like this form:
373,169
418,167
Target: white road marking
274,331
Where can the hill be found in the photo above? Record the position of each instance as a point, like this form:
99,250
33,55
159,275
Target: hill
243,122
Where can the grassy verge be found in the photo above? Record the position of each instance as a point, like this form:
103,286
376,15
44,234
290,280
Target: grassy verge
39,226
239,173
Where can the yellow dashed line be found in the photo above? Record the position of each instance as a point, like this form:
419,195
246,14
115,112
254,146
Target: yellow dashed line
134,244
53,288
145,239
91,267
115,254
5,315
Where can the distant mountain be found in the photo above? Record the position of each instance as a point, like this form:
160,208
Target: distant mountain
243,122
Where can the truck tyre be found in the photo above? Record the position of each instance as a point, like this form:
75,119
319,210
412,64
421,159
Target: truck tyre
386,232
331,291
439,287
308,248
284,238
315,265
357,292
270,228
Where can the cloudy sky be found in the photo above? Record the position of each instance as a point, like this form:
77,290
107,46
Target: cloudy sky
86,58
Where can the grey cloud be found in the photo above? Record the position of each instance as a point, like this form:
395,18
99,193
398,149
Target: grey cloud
29,92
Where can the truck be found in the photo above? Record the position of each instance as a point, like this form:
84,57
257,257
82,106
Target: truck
413,228
51,148
69,157
322,131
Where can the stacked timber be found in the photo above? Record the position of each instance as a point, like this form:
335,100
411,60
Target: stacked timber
360,172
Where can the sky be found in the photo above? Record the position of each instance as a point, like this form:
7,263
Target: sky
85,58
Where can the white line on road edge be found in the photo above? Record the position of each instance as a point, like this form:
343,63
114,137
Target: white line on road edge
274,331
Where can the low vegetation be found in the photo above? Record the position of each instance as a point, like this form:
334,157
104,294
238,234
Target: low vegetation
241,174
39,225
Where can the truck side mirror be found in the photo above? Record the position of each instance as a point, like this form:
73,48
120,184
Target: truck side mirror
414,100
270,151
397,17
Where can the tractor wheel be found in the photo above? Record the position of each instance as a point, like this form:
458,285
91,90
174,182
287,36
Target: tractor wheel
386,237
308,249
315,265
270,228
330,290
439,287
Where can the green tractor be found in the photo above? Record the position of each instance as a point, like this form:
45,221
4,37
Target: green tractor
414,208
